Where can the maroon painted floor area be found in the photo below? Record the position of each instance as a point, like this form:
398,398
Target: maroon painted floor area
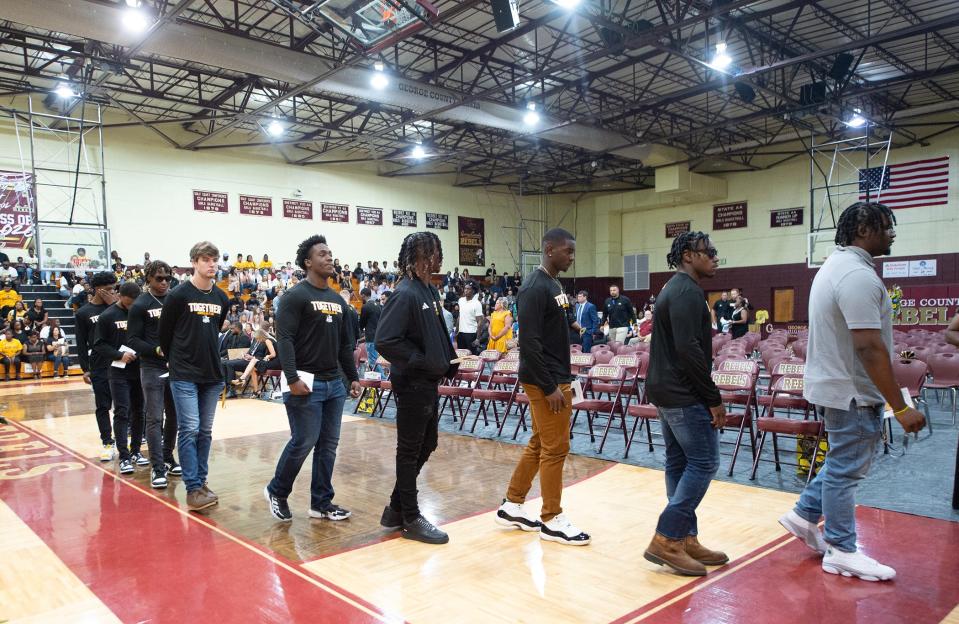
788,584
144,559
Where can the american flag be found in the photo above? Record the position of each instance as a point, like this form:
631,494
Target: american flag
907,185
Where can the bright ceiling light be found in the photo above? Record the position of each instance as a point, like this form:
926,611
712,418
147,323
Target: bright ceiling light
721,61
133,4
379,80
135,20
64,90
856,120
275,128
531,118
418,152
567,4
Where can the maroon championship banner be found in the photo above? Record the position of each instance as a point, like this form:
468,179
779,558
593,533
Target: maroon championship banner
729,216
335,213
437,221
786,217
210,201
17,225
472,241
675,229
256,205
369,216
298,209
404,218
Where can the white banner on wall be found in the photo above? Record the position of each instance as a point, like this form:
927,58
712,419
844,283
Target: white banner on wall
922,268
898,268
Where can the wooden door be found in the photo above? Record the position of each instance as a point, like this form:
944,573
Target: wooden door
783,305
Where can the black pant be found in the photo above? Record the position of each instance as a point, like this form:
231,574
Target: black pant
465,341
127,413
231,368
417,423
100,382
8,362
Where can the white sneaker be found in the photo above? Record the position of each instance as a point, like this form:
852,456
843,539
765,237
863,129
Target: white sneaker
107,453
856,564
514,515
561,530
805,530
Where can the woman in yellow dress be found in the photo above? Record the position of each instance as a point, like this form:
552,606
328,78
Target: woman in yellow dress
500,326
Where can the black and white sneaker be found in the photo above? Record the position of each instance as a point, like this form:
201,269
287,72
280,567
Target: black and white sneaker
139,459
391,519
561,530
515,516
278,507
126,466
174,469
333,512
158,479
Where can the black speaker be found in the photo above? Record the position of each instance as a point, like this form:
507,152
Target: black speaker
812,93
505,15
840,66
744,91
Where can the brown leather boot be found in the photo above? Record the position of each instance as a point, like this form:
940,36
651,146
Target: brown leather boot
672,553
702,554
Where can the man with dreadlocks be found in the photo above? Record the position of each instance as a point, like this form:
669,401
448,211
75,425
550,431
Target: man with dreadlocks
412,336
849,379
690,408
143,336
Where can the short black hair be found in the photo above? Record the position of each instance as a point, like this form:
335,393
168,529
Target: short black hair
154,266
557,236
386,294
582,292
303,251
366,292
687,241
103,278
130,289
866,215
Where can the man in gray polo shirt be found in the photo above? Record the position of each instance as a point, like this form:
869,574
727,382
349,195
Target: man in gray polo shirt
849,378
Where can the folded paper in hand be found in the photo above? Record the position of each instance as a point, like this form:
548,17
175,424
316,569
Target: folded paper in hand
121,363
305,377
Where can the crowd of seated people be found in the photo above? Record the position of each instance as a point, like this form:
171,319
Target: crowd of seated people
30,336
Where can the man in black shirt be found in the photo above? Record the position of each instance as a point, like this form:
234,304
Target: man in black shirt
722,311
312,338
691,411
369,319
412,336
545,319
96,369
618,314
143,337
193,314
234,338
124,374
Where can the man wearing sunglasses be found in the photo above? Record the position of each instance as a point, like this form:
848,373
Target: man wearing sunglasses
690,408
143,336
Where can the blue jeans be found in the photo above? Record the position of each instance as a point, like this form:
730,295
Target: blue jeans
692,458
195,406
371,357
854,436
315,426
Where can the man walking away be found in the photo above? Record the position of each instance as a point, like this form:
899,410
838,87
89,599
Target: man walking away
193,314
849,378
689,404
545,319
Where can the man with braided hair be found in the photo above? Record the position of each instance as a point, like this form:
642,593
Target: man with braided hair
412,336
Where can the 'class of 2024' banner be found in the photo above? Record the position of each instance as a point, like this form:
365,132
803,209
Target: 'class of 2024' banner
472,241
17,224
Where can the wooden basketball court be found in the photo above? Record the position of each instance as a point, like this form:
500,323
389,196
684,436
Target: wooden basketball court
78,542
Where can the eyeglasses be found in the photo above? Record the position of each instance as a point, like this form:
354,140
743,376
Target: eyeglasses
163,278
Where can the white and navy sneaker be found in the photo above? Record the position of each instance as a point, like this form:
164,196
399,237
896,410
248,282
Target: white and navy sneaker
561,530
333,512
173,469
515,516
139,459
856,564
107,453
126,466
278,507
805,530
158,479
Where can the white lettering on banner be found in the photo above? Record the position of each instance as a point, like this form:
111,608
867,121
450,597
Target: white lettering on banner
326,307
205,309
939,302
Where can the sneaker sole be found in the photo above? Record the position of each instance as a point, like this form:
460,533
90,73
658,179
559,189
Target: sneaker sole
562,540
104,458
831,569
516,523
654,559
797,532
269,505
324,516
210,504
426,540
159,486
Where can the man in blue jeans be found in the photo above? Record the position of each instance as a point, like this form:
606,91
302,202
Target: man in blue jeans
690,408
314,341
193,314
849,378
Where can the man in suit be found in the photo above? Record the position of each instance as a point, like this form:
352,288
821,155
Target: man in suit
234,338
587,319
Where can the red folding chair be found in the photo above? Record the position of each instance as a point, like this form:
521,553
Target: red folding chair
738,387
500,388
911,374
460,388
385,394
580,362
368,386
791,387
945,376
593,404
